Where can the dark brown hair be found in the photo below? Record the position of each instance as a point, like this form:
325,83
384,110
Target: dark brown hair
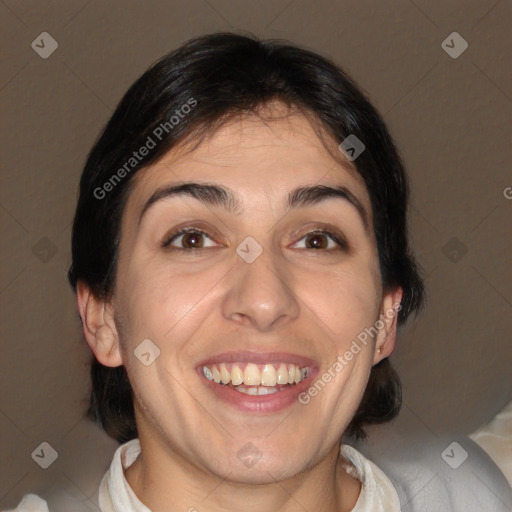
222,75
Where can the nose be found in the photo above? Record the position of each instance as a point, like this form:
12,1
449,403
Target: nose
260,293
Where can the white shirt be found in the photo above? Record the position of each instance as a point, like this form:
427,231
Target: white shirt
115,494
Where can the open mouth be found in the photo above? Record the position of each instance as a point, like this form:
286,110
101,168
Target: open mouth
256,379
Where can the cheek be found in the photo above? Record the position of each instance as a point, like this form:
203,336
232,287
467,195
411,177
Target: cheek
345,304
345,301
167,305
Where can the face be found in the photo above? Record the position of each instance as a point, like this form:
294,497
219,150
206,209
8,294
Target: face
248,288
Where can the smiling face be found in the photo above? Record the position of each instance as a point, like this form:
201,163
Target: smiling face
274,277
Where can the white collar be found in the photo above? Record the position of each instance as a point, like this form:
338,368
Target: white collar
377,492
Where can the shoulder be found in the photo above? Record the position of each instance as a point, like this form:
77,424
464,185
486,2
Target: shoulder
56,500
450,474
30,503
378,493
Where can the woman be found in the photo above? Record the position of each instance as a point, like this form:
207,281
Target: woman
241,265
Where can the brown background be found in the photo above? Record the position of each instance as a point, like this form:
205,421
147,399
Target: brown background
452,121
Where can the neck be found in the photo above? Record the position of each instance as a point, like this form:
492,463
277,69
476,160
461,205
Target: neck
161,479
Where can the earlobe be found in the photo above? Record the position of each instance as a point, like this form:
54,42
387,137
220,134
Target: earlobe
387,324
99,326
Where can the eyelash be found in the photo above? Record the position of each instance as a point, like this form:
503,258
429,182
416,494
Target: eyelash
168,241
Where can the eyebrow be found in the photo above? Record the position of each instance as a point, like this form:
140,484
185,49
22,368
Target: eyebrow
218,195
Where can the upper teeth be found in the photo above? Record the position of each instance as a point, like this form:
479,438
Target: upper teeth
255,375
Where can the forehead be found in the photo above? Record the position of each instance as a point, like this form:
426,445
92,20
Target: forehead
257,155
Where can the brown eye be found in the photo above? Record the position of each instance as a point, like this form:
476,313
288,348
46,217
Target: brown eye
323,240
316,241
192,240
188,239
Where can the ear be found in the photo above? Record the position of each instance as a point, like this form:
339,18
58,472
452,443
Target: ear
387,324
99,326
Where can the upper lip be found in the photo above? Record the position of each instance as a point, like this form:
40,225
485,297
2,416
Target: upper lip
258,358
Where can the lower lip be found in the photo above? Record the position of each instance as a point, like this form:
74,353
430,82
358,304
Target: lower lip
259,403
